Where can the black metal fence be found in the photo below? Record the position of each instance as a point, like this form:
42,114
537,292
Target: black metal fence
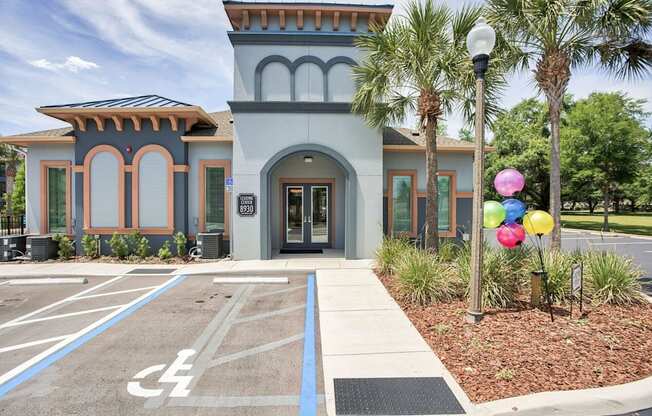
12,225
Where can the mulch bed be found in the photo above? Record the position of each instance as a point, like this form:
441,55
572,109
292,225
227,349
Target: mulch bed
518,351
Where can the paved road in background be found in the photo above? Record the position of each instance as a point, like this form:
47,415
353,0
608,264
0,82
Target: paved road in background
640,249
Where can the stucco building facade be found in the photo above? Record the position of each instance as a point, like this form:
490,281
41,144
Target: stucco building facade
319,178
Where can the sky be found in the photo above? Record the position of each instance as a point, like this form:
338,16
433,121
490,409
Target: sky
65,51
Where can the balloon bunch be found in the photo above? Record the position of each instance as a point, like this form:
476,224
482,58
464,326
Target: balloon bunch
511,216
513,221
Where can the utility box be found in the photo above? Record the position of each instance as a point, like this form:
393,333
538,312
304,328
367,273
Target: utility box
12,246
42,247
211,245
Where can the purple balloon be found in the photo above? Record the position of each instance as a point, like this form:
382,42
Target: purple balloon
508,182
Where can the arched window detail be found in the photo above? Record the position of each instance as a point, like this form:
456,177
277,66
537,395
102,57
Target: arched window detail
152,185
309,82
103,189
341,86
272,71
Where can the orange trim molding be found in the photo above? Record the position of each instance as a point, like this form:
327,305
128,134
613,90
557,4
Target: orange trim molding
182,168
206,139
452,202
415,148
135,195
44,226
413,199
465,194
88,159
27,141
213,163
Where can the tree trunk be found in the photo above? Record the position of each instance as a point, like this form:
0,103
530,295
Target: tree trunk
592,205
431,233
605,221
555,172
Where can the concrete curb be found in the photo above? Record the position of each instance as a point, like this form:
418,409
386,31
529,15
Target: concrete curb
605,234
603,401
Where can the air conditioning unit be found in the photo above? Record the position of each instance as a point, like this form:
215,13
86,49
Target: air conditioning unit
211,245
42,247
12,246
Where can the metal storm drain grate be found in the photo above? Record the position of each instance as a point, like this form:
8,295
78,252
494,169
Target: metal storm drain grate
151,271
395,396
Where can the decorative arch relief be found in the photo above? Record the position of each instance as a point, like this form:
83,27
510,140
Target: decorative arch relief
292,67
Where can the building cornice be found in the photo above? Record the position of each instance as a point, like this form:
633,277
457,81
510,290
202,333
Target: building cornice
289,107
283,38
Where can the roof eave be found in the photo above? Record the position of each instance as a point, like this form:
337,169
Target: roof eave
415,148
188,112
28,141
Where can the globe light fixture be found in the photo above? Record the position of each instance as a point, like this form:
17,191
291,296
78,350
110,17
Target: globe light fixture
480,42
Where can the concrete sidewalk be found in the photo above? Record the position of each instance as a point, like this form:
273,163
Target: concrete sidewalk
365,334
303,264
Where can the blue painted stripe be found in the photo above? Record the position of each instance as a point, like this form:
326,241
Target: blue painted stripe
57,355
308,402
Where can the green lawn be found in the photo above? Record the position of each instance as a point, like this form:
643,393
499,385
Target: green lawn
636,223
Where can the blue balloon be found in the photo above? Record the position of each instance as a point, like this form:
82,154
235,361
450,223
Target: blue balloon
515,210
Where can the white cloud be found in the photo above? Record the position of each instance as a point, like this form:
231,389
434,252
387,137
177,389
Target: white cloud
72,64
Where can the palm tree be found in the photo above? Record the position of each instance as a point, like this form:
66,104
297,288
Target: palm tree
555,37
419,64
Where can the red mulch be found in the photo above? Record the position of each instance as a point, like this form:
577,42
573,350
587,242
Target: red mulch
609,345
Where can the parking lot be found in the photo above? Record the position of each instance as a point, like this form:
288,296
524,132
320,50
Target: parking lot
160,344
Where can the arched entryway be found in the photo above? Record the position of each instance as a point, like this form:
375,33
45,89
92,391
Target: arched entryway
276,179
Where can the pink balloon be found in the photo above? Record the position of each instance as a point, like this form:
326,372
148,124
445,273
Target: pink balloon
510,235
508,182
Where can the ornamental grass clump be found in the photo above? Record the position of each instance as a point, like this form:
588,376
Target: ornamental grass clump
448,250
391,250
424,279
558,268
612,278
503,274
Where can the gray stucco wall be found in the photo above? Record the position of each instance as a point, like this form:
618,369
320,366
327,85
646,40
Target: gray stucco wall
260,136
35,155
322,167
461,163
165,137
197,152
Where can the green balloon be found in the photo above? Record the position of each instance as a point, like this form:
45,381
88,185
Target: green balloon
494,214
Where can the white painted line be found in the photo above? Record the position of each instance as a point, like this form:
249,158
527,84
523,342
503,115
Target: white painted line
27,364
65,315
50,281
99,295
249,280
45,308
6,282
33,343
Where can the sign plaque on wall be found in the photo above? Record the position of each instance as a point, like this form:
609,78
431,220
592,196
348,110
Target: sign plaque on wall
246,205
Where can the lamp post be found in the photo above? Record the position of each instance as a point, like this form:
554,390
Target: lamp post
480,42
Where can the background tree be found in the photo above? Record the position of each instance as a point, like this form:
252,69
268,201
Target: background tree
521,142
605,142
18,194
10,158
419,64
466,135
556,36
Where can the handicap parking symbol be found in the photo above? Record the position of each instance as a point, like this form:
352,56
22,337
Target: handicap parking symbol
169,376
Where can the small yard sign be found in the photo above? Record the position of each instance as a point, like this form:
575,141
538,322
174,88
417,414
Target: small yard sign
228,183
577,283
246,205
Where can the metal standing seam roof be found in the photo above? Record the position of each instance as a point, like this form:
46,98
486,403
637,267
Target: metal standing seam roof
143,101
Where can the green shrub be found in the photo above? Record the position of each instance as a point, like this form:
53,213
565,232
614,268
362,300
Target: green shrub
391,250
448,250
612,278
164,252
180,242
558,267
119,246
133,240
142,247
90,245
66,248
503,273
423,278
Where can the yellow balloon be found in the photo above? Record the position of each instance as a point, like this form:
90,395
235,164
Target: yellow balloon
538,223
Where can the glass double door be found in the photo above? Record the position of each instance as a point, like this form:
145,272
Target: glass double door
307,215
